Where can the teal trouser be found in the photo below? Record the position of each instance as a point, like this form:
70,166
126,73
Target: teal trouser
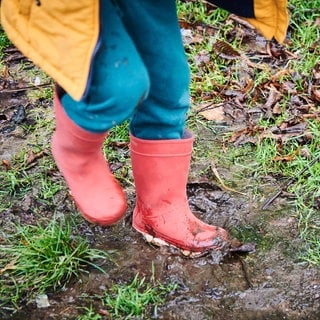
139,72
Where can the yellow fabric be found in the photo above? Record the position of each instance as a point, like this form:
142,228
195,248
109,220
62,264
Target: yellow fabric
48,34
271,18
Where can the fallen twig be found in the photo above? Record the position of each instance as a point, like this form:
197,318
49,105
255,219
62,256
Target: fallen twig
245,273
287,185
216,173
241,21
14,57
48,84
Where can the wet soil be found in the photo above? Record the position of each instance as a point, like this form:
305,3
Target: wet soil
269,283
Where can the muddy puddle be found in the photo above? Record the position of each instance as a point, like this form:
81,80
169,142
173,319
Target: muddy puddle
261,285
266,284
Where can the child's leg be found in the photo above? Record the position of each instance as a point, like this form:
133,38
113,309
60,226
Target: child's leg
118,79
160,147
153,25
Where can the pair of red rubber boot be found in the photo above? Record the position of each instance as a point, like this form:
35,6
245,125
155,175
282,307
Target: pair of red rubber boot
160,170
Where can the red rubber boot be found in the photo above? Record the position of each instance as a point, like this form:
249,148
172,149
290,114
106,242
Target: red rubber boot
162,213
79,157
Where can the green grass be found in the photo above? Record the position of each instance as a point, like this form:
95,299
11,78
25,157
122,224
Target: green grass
4,42
22,178
89,314
138,299
304,186
304,41
117,152
128,301
196,13
35,259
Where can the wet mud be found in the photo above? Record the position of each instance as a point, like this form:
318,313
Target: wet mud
262,285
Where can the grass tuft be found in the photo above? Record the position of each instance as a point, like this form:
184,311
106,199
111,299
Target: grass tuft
89,314
127,301
4,42
35,259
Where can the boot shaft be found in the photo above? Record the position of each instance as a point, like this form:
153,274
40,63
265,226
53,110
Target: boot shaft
162,165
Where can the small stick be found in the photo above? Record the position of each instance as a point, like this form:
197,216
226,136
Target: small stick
245,273
241,21
289,182
216,173
25,88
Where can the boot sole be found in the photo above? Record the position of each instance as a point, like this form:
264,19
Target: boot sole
160,243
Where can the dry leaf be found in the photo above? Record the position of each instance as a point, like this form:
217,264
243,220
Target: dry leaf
212,112
287,158
224,50
202,58
316,94
276,109
7,164
30,157
274,96
10,266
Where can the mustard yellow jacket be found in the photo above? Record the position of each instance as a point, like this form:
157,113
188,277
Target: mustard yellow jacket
60,36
